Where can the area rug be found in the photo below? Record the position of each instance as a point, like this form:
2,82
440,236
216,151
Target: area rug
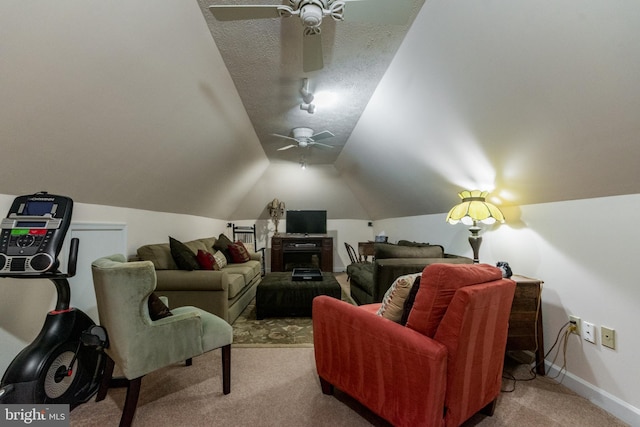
271,332
248,331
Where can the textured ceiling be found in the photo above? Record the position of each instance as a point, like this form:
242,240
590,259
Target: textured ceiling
264,58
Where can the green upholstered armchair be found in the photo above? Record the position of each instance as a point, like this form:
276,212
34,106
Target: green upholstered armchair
139,345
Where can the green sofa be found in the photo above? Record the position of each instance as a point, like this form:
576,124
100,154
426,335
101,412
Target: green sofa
225,293
369,281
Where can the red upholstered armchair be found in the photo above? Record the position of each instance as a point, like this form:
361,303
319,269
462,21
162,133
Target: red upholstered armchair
438,370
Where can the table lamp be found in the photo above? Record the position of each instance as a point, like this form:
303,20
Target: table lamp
472,210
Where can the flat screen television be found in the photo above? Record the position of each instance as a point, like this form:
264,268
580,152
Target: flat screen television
306,222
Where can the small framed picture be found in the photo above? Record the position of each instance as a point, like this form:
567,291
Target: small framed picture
381,239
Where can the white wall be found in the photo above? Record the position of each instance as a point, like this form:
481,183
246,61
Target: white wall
585,253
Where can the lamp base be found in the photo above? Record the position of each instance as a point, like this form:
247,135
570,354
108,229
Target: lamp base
475,240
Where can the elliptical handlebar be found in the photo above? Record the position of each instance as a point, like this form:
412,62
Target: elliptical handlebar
73,257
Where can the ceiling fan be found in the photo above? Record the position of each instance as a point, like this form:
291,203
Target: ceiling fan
311,12
304,137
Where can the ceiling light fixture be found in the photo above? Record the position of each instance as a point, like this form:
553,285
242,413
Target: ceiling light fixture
307,97
309,108
303,163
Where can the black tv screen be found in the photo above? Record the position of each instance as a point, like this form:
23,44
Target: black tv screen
306,222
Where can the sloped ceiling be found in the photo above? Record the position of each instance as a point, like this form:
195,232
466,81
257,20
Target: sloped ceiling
124,104
534,101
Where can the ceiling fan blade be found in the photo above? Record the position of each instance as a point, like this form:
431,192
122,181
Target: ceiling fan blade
322,145
395,12
284,136
312,52
230,12
322,135
287,147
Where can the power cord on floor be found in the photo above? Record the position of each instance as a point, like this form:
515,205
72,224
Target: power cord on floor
564,331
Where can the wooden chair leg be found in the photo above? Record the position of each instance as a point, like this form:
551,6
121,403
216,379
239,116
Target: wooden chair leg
226,369
106,379
327,387
131,402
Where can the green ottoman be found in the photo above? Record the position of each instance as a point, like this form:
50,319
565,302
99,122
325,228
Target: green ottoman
279,296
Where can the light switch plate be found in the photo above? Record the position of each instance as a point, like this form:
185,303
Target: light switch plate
589,332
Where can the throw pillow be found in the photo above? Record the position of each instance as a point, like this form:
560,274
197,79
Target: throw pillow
157,309
182,255
221,261
206,261
238,252
394,298
222,244
408,304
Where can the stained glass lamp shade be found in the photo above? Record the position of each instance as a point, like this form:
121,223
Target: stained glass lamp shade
474,209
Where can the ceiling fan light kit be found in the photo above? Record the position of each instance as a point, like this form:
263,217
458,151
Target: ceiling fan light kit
311,13
304,137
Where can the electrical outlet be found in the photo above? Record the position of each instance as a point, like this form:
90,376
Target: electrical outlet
575,322
608,337
589,332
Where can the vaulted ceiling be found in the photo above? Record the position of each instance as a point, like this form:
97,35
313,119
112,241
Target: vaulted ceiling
123,104
265,59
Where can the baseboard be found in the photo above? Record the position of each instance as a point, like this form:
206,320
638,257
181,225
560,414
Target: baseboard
601,398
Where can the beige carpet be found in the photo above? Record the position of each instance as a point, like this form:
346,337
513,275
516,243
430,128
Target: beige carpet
276,385
279,387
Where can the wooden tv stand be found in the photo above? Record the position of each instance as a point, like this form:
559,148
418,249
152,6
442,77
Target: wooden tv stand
289,249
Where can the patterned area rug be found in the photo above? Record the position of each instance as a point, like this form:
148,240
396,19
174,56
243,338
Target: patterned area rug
278,331
271,332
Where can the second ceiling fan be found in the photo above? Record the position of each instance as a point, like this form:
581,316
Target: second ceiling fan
311,12
304,137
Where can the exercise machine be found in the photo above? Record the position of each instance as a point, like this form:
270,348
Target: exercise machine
65,362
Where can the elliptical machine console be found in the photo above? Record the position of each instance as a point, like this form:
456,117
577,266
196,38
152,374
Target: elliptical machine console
65,362
33,233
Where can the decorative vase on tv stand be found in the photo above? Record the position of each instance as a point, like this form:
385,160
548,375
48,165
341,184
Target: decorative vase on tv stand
276,211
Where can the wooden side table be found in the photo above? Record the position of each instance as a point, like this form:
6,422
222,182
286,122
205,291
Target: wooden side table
366,250
525,322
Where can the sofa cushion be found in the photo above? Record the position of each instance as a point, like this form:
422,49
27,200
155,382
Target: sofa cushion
388,250
362,274
248,270
393,301
196,245
414,244
236,284
184,257
209,242
159,254
238,252
438,284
